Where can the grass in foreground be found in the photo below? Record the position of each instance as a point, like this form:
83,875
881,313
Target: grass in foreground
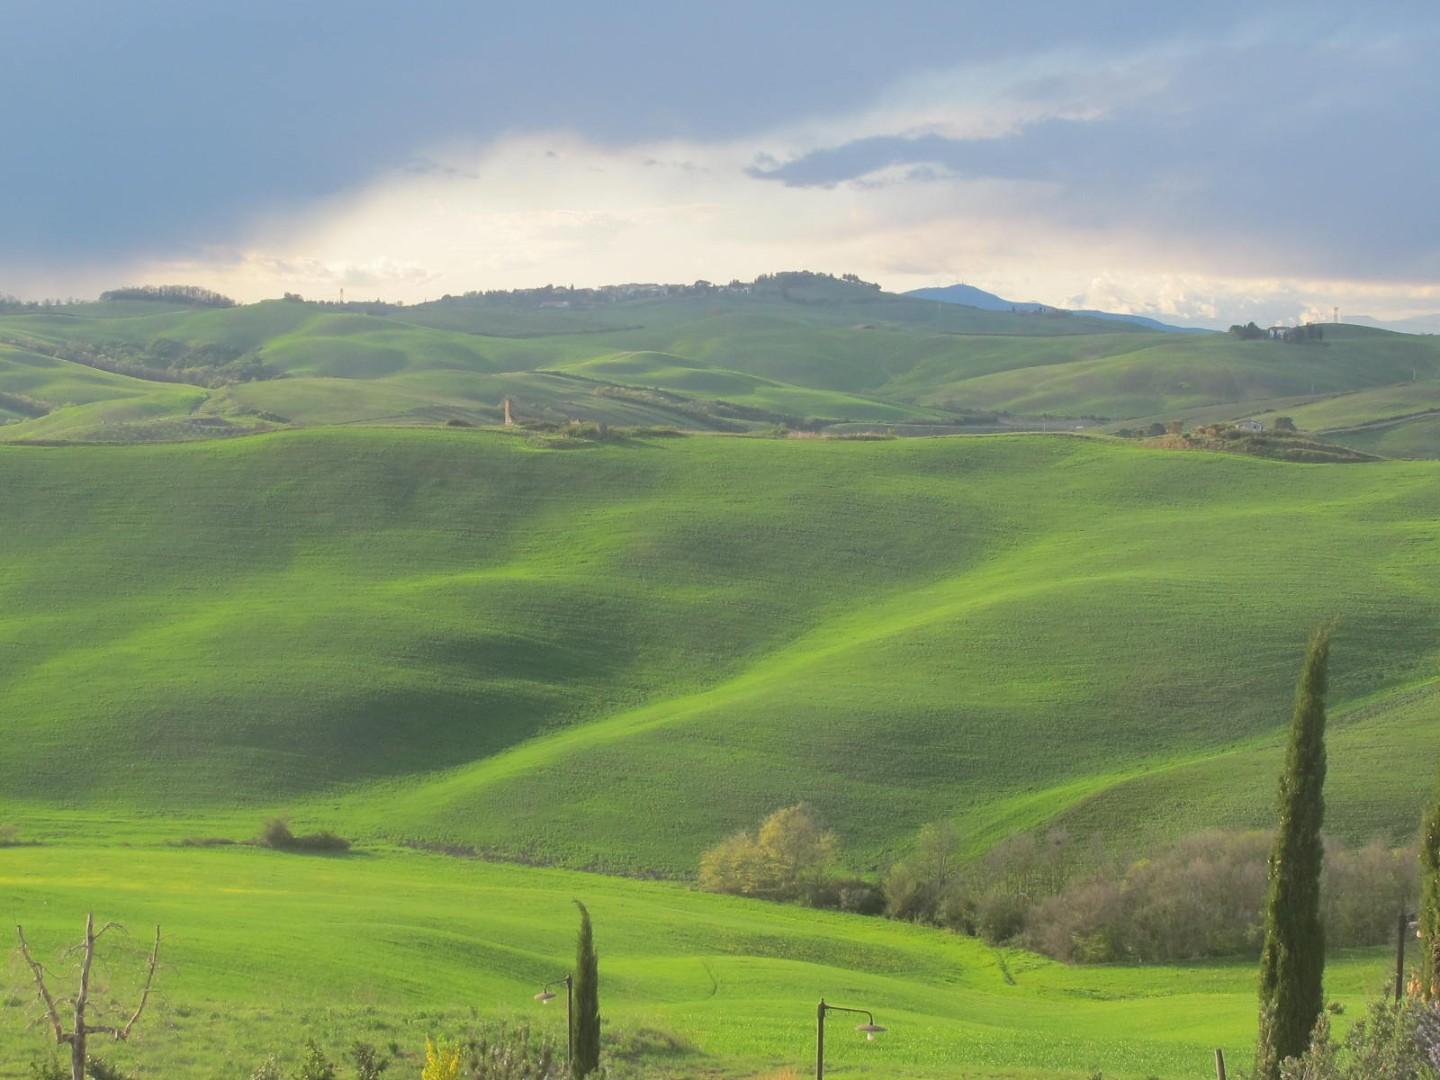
263,948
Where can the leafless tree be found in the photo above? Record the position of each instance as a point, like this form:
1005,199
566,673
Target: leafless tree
81,1028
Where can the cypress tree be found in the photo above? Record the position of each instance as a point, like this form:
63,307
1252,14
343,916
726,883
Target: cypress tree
585,1057
1292,965
1430,905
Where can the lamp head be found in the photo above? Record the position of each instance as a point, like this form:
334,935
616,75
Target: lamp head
871,1030
545,997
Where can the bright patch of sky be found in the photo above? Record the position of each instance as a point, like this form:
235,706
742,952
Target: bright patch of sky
1209,163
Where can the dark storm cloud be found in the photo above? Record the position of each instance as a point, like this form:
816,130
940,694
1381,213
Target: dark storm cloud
1311,150
139,127
162,126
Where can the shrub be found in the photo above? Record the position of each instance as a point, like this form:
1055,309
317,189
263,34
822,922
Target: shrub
907,895
855,895
592,430
48,1069
1203,898
510,1054
276,834
648,1043
442,1061
368,1062
999,917
790,857
1363,890
99,1069
956,910
314,1065
1389,1044
9,836
916,886
269,1069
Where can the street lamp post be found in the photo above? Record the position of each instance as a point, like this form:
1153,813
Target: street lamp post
870,1028
546,995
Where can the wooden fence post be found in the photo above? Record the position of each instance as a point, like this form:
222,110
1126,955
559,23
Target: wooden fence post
1219,1064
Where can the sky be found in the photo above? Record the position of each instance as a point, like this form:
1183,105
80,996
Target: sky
1209,163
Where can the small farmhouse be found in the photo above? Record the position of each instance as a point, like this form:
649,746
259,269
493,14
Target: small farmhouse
1249,425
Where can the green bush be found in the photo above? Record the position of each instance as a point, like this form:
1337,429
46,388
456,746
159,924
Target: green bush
369,1065
1389,1044
99,1069
314,1065
1000,917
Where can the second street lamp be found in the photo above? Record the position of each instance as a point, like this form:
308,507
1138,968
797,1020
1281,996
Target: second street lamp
870,1029
546,995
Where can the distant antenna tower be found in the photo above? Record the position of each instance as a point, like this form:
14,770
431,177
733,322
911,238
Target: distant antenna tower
1336,309
342,296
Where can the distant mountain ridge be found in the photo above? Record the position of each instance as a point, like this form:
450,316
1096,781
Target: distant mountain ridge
970,296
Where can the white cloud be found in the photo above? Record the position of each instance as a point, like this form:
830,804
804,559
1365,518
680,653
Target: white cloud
556,208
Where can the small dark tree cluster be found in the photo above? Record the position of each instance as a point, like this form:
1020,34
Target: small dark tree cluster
191,295
1292,335
1300,335
12,304
276,834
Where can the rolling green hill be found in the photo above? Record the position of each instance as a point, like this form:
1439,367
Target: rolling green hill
607,650
818,353
612,655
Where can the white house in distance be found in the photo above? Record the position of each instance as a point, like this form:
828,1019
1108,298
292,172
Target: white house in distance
1249,425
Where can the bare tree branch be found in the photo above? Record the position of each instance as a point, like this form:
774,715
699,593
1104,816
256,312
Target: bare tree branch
124,1033
39,972
82,999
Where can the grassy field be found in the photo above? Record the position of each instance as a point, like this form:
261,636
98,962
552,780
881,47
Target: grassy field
262,949
1417,437
606,656
836,354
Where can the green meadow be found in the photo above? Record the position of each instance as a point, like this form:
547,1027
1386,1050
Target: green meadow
344,595
262,949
